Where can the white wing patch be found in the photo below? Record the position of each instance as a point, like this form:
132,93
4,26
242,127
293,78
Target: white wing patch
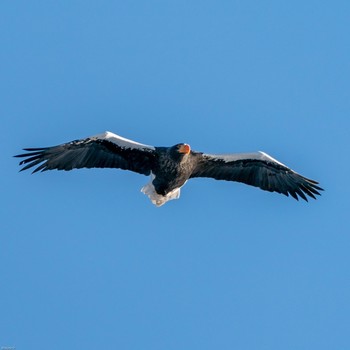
239,156
267,157
121,141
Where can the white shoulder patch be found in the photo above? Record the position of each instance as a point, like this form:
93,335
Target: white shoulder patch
232,157
241,156
267,157
121,141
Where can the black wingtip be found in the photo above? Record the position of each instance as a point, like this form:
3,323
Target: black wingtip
32,157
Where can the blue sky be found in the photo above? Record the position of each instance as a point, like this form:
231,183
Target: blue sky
88,262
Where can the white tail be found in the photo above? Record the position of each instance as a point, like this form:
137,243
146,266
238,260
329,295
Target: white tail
158,199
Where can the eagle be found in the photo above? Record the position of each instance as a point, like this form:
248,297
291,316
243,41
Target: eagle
170,167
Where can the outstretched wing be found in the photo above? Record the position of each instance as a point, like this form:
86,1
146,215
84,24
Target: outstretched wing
105,150
256,169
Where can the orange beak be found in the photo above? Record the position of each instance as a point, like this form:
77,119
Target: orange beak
186,149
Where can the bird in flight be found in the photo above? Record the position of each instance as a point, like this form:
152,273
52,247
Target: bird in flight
170,167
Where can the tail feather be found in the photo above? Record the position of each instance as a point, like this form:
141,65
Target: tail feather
156,198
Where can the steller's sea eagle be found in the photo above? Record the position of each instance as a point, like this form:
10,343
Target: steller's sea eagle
170,167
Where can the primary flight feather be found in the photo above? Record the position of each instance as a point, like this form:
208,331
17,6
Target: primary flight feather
170,167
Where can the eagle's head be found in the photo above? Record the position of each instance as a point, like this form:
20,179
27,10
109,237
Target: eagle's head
180,150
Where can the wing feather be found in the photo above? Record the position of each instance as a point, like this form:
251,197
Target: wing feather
105,150
256,169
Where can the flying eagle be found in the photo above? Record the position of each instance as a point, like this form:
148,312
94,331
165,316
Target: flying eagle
170,167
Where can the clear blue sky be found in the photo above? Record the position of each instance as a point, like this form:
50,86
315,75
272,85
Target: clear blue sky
87,262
